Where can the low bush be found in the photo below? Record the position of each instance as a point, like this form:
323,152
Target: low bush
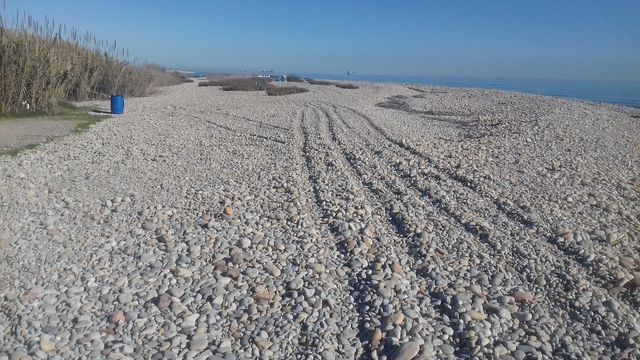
294,78
288,90
347,86
319,82
238,84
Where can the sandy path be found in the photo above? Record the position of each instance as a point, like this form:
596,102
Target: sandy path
19,133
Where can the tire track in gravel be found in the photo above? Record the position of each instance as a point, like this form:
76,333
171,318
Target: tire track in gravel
403,173
575,254
234,131
322,160
312,153
261,123
393,193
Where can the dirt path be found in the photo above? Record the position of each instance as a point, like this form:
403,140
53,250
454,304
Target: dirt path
18,133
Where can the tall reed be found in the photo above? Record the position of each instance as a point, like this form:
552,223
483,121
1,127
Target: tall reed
41,65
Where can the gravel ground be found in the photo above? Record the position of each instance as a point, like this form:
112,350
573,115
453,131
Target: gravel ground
387,222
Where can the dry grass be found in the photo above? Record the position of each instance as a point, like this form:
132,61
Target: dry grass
323,82
347,86
318,82
285,90
294,78
239,84
41,65
249,84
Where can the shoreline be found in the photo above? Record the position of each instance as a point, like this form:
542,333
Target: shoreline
624,93
390,220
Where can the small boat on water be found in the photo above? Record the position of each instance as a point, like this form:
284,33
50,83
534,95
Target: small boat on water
350,72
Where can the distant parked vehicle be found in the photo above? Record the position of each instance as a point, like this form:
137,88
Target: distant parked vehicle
280,78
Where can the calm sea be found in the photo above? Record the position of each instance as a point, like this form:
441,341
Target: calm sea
625,93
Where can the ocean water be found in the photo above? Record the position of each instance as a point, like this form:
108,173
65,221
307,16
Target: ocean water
625,93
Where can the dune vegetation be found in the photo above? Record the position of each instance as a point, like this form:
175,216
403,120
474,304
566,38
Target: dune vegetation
41,65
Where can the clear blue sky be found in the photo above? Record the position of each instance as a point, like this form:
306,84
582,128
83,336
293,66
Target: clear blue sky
504,38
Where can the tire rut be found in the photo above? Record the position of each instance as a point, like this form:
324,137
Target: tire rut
528,254
524,223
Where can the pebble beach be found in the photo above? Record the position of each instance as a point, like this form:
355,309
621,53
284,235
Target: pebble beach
392,221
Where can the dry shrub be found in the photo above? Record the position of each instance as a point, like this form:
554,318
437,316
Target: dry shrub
285,90
319,82
239,84
347,86
294,78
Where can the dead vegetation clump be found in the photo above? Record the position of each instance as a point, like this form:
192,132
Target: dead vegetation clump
285,90
239,84
326,83
347,86
318,82
253,84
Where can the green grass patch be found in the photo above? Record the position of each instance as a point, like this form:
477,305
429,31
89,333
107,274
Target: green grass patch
16,151
63,111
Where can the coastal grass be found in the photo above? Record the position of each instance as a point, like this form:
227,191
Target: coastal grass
41,65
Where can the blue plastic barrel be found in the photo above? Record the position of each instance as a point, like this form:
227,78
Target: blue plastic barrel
117,104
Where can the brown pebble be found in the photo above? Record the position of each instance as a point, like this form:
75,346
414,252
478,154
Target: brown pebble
220,265
442,251
397,318
351,245
263,295
523,296
234,250
4,243
627,262
47,345
369,230
264,344
32,294
407,351
376,335
233,273
273,270
396,268
164,301
228,211
117,317
476,315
